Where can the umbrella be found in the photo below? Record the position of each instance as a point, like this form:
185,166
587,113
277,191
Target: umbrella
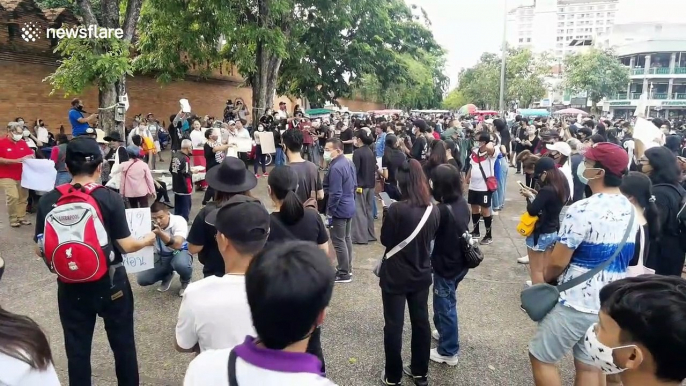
467,110
571,112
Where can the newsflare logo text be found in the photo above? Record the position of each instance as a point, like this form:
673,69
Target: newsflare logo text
32,32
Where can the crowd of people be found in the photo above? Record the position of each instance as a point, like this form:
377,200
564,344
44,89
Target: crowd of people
602,221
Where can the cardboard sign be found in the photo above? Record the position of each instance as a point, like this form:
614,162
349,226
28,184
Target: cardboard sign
267,142
139,221
38,175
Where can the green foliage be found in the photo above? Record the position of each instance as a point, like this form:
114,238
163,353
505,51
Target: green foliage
524,82
70,5
597,72
87,62
454,100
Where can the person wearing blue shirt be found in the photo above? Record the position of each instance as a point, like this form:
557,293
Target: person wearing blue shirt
79,124
380,145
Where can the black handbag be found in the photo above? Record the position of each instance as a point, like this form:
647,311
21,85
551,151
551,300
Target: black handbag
471,252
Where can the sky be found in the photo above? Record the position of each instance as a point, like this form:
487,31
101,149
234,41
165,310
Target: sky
466,29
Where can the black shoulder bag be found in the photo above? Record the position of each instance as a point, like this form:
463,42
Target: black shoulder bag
472,253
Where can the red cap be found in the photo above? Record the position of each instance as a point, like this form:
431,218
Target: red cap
613,158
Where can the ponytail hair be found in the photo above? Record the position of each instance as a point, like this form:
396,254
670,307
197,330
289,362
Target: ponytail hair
283,182
639,187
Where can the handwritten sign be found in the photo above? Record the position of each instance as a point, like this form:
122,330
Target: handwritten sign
267,142
139,221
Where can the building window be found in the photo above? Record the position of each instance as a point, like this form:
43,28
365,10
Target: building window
569,31
561,9
528,40
559,38
521,40
601,7
568,38
13,30
561,24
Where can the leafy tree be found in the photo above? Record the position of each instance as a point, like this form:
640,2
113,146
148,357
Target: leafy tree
104,63
524,74
454,100
310,48
70,5
597,72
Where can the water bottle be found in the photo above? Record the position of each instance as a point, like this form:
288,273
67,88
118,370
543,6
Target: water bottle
41,244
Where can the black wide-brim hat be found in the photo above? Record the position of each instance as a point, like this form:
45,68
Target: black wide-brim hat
231,176
113,136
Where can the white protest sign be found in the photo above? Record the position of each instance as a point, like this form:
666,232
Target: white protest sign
267,142
243,145
185,106
139,221
38,174
647,135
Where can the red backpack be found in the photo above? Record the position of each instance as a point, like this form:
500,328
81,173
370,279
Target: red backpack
76,244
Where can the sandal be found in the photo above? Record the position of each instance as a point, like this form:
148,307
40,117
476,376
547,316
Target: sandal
15,224
25,222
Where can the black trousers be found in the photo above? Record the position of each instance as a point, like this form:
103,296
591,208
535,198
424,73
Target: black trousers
314,347
79,305
394,316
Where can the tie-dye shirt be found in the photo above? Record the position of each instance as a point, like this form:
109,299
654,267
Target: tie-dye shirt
594,228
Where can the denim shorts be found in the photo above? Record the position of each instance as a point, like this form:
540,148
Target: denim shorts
562,330
545,241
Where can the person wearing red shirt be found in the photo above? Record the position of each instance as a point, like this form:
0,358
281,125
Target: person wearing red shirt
13,151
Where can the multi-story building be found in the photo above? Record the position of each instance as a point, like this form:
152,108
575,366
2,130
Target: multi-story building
656,56
551,25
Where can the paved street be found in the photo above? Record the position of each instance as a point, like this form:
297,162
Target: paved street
494,332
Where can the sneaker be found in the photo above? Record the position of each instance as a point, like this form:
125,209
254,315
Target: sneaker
435,334
518,172
385,381
438,358
265,174
523,260
257,176
495,212
529,283
476,234
166,283
418,380
343,279
487,240
183,289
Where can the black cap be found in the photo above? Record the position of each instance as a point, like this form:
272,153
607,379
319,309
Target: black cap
114,136
83,149
89,131
241,218
543,165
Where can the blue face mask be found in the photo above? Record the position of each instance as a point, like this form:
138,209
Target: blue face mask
580,173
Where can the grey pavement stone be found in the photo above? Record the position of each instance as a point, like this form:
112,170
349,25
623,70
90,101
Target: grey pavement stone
494,332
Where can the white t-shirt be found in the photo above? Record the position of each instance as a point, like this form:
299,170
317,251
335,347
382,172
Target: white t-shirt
140,130
42,134
256,366
198,138
14,372
177,227
215,313
478,182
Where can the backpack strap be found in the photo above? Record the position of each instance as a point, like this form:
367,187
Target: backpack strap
232,369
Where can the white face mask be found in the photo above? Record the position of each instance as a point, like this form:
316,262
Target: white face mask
602,354
16,137
26,133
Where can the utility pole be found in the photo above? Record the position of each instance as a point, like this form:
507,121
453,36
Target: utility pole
504,57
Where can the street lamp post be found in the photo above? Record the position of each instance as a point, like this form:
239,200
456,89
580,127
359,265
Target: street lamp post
504,57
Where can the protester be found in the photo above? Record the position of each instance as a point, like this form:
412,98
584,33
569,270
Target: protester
339,185
171,251
13,152
309,180
438,156
228,179
115,157
137,184
365,165
259,156
448,262
500,173
667,253
482,164
420,147
640,334
288,288
182,179
202,323
591,233
109,297
392,159
575,160
546,204
215,152
639,190
406,275
78,122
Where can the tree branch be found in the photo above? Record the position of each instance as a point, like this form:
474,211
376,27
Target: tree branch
133,13
87,12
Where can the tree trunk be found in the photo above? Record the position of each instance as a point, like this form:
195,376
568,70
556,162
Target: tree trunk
272,75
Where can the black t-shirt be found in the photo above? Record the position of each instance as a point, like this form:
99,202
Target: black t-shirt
420,148
325,133
409,270
447,258
201,233
347,135
309,228
365,165
112,210
547,206
392,160
210,158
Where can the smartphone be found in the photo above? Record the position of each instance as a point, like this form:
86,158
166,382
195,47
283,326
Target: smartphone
385,199
522,185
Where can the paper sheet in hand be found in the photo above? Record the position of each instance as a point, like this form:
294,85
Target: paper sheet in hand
646,135
38,174
185,106
139,222
243,145
267,142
